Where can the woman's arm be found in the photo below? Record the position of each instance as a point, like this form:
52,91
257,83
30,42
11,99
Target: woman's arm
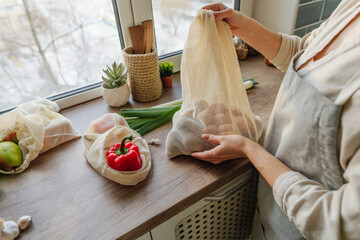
237,146
317,212
252,32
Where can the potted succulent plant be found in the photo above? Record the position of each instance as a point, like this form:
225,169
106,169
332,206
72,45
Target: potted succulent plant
166,70
115,90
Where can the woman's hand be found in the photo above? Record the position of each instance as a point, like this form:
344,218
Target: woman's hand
228,147
224,13
252,32
237,146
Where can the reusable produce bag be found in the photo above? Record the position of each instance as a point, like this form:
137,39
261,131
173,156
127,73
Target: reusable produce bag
101,135
100,126
38,126
214,97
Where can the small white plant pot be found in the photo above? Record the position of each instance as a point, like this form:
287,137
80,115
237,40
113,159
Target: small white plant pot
116,97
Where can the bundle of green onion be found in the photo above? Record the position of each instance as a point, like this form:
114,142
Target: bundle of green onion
144,120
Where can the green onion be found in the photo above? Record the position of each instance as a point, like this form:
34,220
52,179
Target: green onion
146,112
250,79
158,121
171,103
144,120
135,123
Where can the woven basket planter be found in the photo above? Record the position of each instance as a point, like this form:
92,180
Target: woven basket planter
143,75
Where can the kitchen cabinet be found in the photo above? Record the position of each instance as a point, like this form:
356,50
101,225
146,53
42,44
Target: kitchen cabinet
226,213
68,199
146,236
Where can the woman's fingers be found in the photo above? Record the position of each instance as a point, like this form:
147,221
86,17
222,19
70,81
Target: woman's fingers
226,147
211,155
205,155
214,139
220,11
221,15
215,7
208,156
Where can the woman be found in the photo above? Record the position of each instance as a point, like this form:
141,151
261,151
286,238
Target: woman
310,163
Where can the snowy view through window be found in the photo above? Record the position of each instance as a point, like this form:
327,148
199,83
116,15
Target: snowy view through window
48,47
172,21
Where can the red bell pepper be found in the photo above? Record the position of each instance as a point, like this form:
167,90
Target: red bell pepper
124,157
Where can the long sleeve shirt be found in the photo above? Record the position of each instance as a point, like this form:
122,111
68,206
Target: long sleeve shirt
337,76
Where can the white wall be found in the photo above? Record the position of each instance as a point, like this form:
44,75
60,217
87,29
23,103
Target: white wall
246,7
278,15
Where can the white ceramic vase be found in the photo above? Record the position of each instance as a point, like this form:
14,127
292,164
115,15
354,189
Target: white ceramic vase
116,97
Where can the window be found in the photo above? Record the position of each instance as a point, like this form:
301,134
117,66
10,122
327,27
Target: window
171,18
172,21
57,49
48,47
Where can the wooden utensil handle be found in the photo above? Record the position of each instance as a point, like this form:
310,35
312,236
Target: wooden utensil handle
148,34
137,39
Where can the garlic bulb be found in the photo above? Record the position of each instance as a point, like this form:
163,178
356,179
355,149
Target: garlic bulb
24,222
153,141
10,230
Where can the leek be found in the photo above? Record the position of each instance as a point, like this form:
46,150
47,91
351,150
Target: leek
248,84
171,103
135,123
250,79
144,120
146,112
165,117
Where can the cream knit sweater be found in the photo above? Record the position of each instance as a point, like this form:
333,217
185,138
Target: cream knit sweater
317,212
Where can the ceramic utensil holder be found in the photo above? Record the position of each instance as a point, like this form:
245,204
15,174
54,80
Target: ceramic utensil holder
143,75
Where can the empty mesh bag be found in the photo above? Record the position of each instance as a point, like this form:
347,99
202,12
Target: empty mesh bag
214,96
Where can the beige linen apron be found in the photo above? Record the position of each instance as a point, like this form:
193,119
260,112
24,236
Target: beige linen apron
302,133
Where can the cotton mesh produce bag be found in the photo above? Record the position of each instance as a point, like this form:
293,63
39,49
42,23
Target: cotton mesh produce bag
100,126
38,127
214,96
101,135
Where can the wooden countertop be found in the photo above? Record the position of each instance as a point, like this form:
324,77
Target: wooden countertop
68,199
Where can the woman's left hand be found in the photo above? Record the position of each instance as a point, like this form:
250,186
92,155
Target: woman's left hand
237,146
228,147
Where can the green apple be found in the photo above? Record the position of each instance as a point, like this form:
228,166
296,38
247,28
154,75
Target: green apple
10,156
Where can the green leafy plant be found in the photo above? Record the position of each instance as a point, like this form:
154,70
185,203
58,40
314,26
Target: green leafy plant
116,76
166,69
